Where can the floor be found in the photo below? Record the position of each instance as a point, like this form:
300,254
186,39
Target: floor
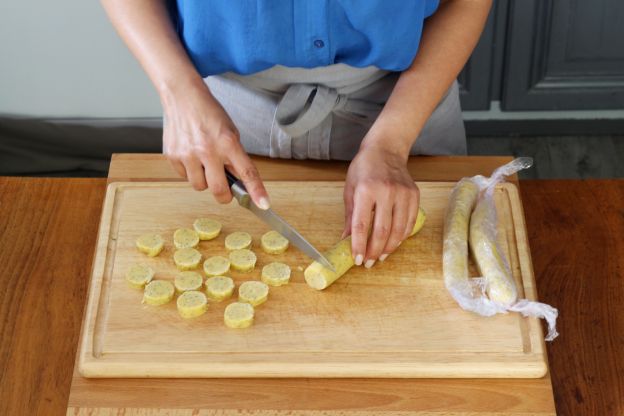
40,148
559,157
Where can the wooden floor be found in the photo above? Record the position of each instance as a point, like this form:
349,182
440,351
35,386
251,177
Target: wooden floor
559,157
39,148
555,157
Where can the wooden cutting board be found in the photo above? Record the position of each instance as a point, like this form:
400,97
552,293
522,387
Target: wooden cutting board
394,320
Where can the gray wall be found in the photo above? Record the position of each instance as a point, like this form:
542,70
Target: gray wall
63,59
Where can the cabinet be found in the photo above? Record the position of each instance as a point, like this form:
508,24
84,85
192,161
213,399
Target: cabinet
548,55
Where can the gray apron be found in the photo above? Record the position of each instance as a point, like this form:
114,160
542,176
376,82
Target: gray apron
325,112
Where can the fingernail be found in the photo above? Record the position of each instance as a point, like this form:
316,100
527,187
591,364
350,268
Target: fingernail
359,259
264,203
383,257
400,242
369,263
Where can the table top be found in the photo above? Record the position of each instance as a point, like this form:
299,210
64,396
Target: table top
47,237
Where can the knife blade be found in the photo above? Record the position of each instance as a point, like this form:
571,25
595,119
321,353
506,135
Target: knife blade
275,221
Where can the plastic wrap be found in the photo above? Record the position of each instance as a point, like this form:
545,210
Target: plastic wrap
471,218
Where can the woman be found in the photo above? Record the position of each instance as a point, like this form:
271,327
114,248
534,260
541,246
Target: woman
370,81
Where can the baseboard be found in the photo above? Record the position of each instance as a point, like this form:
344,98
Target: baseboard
559,127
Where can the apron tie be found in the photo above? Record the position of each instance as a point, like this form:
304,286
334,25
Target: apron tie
303,107
304,112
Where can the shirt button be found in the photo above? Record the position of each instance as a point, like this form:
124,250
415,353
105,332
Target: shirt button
319,43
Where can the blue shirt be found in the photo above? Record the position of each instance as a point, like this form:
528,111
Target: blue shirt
247,36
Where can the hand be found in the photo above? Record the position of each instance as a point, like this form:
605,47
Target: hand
200,139
379,194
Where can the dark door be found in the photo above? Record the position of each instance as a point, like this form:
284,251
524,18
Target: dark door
474,79
564,55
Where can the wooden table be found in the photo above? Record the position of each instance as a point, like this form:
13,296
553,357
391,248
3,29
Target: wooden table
47,236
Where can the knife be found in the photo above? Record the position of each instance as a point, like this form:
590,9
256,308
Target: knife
275,221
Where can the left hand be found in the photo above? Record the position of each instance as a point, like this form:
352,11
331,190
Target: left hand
380,194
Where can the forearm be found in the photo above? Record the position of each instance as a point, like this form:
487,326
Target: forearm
449,36
146,28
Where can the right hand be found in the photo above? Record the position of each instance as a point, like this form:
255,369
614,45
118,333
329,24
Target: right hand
200,139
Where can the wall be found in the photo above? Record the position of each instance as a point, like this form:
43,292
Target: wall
63,59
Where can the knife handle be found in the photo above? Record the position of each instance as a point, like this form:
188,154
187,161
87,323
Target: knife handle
238,189
230,178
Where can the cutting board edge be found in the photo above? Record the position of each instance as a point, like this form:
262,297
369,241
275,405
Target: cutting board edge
535,331
526,367
94,296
